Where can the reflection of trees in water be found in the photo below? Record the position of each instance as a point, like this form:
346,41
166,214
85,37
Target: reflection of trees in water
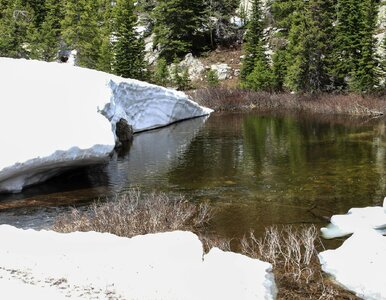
300,158
213,156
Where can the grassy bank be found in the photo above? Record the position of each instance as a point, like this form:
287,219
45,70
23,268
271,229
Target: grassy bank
292,252
227,99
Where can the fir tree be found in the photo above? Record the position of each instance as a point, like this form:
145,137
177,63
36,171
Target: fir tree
47,40
308,51
279,68
261,78
253,37
80,30
212,78
364,75
161,73
256,73
16,29
106,52
178,26
128,48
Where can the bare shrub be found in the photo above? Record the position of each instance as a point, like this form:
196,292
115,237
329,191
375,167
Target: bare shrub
226,99
293,254
212,241
133,214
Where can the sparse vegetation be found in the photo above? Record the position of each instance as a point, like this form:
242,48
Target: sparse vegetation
134,213
291,251
225,99
293,255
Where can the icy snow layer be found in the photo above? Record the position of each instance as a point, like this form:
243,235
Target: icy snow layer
49,118
359,264
104,266
356,219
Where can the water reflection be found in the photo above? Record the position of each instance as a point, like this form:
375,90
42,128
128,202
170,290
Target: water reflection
144,164
257,170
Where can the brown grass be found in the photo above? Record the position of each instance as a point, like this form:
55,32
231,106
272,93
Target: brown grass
133,214
293,256
227,99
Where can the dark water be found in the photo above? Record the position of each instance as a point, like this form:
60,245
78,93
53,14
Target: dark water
255,170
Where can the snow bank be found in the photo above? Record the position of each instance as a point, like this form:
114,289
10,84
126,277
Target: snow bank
51,117
356,219
359,264
157,266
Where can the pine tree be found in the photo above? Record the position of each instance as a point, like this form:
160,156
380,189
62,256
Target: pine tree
105,60
354,65
261,78
128,48
308,50
212,78
80,30
161,73
364,75
253,38
16,29
47,39
279,68
178,27
256,73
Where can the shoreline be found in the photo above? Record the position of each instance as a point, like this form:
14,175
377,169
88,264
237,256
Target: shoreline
230,99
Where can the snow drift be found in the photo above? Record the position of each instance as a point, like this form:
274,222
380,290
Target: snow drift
53,117
356,219
155,266
359,264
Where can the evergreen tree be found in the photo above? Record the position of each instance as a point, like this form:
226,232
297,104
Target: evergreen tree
253,38
178,27
256,73
161,73
261,78
16,29
364,75
128,48
47,40
80,30
279,68
308,51
354,65
106,52
212,78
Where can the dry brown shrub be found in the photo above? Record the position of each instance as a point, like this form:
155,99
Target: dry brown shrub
134,213
293,255
228,99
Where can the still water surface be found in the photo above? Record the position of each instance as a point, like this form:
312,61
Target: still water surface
256,170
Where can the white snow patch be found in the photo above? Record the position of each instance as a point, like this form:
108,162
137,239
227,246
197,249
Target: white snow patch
359,264
155,266
356,219
51,117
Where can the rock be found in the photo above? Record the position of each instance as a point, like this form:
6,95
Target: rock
124,131
223,71
151,52
155,266
195,67
63,112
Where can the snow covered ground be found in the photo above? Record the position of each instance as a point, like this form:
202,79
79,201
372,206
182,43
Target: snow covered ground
356,219
92,265
53,117
359,264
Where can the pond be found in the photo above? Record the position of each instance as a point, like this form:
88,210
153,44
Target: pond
256,170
